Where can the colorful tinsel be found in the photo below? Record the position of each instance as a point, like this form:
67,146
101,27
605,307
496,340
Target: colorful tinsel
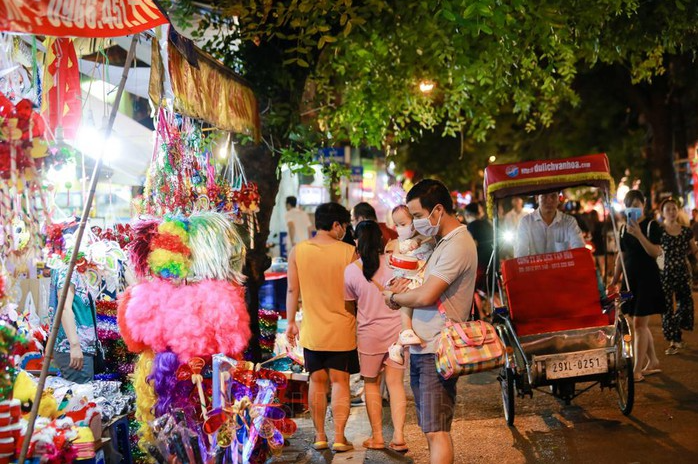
268,323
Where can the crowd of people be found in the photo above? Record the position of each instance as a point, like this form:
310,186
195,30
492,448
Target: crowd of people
362,314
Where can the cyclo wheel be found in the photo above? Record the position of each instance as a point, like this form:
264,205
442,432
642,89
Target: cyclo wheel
506,379
625,383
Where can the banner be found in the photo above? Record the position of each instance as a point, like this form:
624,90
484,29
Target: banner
205,89
79,18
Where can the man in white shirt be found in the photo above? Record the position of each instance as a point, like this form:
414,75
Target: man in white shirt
547,230
298,223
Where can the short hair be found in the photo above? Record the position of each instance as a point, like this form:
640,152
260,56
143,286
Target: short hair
472,208
328,213
292,201
366,211
401,207
430,193
633,195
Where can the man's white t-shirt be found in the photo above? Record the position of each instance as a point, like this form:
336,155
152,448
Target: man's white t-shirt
301,224
455,262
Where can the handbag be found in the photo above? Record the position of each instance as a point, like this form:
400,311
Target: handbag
100,365
467,347
660,258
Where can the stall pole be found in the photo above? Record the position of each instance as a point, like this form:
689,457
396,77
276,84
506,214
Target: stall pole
71,266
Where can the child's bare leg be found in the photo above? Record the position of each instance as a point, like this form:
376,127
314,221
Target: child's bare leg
406,318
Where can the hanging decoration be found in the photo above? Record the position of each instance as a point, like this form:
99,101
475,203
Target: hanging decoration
62,103
23,152
183,176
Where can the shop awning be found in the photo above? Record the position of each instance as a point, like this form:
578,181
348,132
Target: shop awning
70,18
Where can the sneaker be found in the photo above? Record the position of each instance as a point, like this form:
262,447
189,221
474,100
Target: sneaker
408,337
395,353
672,350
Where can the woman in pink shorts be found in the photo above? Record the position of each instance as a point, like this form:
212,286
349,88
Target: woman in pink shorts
377,327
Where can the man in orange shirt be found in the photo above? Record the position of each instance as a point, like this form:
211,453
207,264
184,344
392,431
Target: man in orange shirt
328,330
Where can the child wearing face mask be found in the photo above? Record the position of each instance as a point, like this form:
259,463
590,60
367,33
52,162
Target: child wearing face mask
409,246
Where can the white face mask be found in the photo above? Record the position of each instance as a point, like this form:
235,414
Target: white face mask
405,232
425,227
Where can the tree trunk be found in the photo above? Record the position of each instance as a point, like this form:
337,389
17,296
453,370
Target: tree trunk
260,164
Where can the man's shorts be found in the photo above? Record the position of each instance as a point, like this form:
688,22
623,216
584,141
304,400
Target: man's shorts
345,361
434,397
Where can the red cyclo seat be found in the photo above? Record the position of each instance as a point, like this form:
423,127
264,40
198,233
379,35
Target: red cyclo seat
553,292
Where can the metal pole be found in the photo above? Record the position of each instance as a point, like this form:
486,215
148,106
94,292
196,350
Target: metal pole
81,230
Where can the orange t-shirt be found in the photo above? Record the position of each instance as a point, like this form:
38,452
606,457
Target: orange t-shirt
327,325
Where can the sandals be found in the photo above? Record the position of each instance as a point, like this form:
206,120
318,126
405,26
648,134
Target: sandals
342,447
639,379
399,447
374,445
320,445
647,372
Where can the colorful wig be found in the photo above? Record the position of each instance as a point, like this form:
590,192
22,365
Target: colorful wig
170,392
124,300
145,398
169,250
201,319
139,248
217,250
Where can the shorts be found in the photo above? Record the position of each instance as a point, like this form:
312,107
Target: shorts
87,374
434,397
372,364
345,361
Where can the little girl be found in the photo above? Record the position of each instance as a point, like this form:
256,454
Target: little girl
410,250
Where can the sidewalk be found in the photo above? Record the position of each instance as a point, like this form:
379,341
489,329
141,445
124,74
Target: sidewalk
358,429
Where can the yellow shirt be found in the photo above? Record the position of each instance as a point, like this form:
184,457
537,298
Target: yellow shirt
327,325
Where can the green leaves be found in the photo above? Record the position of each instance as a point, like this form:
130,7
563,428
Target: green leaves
350,71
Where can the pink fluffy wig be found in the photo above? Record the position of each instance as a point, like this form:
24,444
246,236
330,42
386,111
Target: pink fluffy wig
200,319
124,301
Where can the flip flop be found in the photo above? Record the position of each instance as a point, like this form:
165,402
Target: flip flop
375,445
399,447
320,445
342,447
651,372
639,379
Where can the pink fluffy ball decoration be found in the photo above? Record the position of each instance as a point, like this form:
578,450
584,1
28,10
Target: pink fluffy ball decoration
201,319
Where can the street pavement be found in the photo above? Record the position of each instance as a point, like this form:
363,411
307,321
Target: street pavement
663,427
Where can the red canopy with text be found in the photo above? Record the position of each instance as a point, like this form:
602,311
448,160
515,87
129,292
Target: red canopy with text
79,18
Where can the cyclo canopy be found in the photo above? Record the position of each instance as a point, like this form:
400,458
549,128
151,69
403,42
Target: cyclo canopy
526,177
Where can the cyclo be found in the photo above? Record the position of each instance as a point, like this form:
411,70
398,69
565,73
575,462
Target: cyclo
557,329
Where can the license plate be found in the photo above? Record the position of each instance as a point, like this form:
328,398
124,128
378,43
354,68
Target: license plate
576,365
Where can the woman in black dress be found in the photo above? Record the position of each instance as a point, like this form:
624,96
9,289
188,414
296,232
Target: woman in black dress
677,243
640,244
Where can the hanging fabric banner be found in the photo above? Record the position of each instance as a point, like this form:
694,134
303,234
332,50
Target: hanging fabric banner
203,88
61,105
80,18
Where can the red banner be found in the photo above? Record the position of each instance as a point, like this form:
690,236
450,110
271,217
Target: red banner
62,103
79,18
